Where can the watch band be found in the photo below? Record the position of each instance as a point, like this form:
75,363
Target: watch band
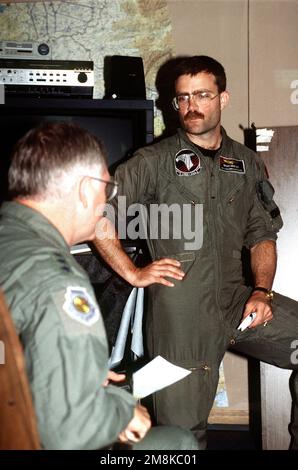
268,292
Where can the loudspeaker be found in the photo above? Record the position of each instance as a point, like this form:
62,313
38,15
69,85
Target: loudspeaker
124,77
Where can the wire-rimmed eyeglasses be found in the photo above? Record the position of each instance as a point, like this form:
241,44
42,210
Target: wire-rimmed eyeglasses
111,187
202,98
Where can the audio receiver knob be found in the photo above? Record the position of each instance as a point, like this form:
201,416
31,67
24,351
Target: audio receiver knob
82,77
43,49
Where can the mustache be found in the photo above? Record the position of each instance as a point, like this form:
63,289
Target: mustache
193,114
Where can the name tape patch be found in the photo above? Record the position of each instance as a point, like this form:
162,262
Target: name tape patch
231,165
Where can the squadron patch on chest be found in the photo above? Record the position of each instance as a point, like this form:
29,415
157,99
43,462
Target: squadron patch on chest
187,163
80,306
231,165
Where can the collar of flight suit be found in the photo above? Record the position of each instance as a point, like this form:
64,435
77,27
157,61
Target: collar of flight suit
38,224
225,146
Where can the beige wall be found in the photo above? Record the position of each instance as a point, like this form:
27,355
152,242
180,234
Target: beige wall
273,41
256,40
219,29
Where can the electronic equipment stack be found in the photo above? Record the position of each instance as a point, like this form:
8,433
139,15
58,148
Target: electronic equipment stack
47,78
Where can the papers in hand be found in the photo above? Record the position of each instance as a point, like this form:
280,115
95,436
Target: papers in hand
156,375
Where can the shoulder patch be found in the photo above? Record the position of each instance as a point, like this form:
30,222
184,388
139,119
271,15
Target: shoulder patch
80,306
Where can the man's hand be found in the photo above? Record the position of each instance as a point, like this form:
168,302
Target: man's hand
113,377
113,253
156,272
138,427
258,302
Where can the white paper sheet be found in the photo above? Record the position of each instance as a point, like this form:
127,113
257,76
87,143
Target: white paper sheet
155,375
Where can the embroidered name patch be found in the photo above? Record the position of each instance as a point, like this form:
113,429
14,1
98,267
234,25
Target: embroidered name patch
187,163
80,306
232,165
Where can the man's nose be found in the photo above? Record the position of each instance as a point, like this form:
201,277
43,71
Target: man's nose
192,104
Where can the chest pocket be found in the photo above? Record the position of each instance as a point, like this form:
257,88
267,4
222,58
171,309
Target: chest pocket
234,205
179,225
236,193
171,191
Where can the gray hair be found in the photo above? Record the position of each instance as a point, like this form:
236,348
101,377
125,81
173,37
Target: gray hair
47,160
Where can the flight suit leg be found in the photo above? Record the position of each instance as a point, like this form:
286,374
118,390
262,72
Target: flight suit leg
187,403
189,334
168,438
277,344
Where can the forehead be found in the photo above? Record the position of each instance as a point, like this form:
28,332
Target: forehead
200,81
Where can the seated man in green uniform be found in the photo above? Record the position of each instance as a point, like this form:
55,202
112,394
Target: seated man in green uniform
59,183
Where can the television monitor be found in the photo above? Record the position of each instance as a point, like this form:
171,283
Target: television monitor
122,125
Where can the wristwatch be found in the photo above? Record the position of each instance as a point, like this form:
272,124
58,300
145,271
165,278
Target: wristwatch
268,292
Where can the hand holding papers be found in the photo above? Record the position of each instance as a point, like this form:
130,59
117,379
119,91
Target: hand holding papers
156,375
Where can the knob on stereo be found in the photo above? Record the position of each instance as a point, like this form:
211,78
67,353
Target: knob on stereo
82,77
43,49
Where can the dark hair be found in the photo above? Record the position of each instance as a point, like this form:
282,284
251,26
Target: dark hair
202,63
48,148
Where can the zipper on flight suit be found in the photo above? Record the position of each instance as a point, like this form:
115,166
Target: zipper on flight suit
213,210
201,367
233,194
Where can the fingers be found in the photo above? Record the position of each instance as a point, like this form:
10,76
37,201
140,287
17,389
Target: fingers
158,271
168,261
133,436
142,410
263,309
122,437
127,436
138,427
168,267
115,377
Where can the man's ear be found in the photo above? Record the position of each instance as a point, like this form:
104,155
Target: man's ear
83,191
224,99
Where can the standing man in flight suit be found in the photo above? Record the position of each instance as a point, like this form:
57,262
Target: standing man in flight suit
59,184
195,322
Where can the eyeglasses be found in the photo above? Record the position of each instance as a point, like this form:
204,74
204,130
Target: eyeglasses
111,187
202,98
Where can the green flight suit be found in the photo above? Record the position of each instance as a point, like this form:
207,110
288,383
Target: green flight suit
194,323
60,326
